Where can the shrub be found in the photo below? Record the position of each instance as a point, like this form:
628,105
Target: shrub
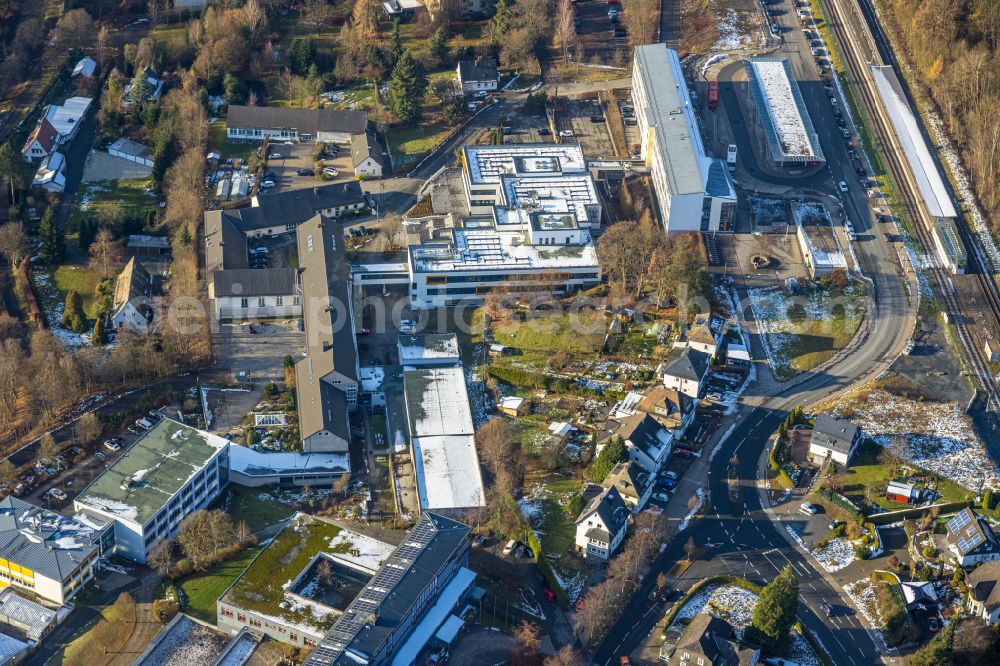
862,552
929,551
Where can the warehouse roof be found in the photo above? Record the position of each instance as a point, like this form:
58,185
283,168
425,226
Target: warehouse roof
142,481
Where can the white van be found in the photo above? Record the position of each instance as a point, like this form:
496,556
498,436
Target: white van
509,548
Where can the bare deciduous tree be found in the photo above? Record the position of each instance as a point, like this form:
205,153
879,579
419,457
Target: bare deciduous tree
565,30
106,254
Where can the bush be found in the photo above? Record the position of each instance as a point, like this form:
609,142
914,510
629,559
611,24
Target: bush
74,317
862,552
516,376
929,551
271,390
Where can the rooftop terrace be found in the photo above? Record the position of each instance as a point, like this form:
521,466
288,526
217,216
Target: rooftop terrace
486,164
490,249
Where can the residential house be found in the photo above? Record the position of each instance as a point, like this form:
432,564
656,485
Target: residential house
256,123
648,442
686,370
366,155
155,89
401,10
247,293
701,335
711,641
970,539
51,173
130,307
833,439
984,591
47,554
673,409
601,526
919,596
513,406
131,151
85,67
476,75
633,483
56,126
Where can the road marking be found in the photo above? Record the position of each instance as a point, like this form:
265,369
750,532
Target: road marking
813,587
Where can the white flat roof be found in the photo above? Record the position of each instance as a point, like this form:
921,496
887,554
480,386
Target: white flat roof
918,155
444,447
416,348
64,119
558,194
676,134
782,106
255,463
489,249
485,164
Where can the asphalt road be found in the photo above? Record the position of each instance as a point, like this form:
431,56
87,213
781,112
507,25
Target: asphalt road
740,538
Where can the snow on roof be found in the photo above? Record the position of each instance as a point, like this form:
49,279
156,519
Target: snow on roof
64,119
151,472
817,232
560,429
554,194
372,552
782,102
924,169
487,163
477,249
511,402
415,349
256,463
444,446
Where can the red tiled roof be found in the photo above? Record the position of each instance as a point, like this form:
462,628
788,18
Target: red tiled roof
45,134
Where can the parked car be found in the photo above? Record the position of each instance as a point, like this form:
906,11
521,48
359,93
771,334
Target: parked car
57,494
113,444
275,156
407,326
835,524
682,453
304,172
670,475
331,171
661,497
478,540
145,423
565,133
481,94
509,548
267,184
631,122
808,508
543,131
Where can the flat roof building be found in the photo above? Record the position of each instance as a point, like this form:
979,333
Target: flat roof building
442,441
693,190
428,350
170,472
51,555
820,248
785,132
251,468
409,598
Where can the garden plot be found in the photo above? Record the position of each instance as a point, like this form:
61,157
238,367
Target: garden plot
799,332
937,437
53,304
767,212
546,508
862,594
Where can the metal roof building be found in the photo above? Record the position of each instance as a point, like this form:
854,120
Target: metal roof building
925,171
787,131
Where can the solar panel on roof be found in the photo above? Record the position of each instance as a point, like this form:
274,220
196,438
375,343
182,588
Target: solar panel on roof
961,519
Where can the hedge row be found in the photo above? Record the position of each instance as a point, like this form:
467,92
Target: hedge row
894,516
779,469
546,568
841,501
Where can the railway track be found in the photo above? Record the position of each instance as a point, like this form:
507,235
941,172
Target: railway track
857,58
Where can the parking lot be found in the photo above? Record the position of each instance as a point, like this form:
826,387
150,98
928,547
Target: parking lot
598,37
586,120
286,161
522,128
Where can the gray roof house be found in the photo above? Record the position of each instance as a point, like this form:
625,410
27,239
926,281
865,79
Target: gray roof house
710,641
406,601
479,74
833,438
366,155
649,442
984,591
601,526
686,370
633,483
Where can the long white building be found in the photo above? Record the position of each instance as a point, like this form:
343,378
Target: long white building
693,190
785,133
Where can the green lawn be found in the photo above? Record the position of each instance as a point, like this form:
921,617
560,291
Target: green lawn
247,504
128,196
575,332
553,518
378,424
217,142
409,143
201,591
77,278
867,472
167,33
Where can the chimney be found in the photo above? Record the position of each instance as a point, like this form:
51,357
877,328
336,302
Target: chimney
327,346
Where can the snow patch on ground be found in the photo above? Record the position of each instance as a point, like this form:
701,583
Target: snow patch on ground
53,305
726,602
701,494
937,437
862,594
737,30
838,554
